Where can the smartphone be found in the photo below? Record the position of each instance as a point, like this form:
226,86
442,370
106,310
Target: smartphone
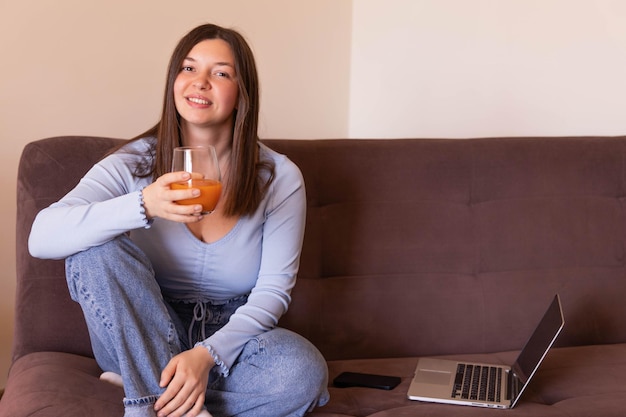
356,379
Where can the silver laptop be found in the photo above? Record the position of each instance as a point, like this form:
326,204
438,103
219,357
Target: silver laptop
487,385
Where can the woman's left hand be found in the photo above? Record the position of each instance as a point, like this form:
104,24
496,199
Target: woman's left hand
186,377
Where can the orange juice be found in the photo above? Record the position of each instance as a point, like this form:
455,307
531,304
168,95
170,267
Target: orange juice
210,191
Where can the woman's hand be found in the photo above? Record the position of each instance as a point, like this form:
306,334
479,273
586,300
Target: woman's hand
186,377
160,201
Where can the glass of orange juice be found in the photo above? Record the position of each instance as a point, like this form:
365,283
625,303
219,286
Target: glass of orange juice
201,163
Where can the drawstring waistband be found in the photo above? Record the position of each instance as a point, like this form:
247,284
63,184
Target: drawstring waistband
210,315
201,314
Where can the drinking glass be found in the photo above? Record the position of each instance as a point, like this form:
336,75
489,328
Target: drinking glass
201,163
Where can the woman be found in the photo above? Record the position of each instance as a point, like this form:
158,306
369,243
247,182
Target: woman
184,306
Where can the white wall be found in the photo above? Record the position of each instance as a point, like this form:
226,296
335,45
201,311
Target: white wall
329,68
464,68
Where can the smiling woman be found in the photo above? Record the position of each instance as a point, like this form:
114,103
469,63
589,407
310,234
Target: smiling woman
209,289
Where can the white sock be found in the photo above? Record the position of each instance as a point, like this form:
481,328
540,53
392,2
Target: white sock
112,378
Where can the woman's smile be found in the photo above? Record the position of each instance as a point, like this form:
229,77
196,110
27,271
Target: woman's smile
199,100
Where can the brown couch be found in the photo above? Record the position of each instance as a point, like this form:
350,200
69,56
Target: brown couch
413,247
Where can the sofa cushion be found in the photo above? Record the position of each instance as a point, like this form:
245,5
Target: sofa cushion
573,381
53,384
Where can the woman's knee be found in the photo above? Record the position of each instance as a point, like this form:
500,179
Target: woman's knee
287,372
116,251
106,265
298,361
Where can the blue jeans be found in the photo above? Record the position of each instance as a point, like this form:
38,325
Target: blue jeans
135,332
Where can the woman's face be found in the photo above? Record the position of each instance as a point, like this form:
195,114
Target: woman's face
206,89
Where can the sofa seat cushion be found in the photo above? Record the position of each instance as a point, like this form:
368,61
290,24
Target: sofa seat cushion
53,384
572,381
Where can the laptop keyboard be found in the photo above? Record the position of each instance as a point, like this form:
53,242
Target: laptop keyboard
479,383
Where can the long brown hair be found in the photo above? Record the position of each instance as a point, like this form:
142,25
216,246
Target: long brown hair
246,183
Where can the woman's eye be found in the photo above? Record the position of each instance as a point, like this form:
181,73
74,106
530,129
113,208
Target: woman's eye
222,74
186,68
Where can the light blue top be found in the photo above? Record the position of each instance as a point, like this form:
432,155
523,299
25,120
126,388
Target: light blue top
259,256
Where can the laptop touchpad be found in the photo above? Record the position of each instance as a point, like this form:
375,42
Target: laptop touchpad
432,377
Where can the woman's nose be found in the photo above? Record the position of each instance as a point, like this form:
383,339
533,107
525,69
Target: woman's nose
201,83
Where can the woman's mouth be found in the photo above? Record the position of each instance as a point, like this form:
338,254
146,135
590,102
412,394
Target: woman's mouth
198,100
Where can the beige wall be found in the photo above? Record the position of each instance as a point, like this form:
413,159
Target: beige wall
464,68
329,68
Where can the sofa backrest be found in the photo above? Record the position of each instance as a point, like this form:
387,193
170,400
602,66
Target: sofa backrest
46,319
441,246
413,247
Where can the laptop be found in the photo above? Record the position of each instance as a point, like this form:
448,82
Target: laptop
487,385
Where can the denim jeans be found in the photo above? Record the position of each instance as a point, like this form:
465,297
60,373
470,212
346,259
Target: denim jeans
135,332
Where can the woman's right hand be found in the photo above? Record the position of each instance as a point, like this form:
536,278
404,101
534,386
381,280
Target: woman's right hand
160,201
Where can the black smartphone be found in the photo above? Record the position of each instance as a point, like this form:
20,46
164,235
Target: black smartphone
356,379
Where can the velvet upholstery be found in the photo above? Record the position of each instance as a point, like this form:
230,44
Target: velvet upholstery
413,247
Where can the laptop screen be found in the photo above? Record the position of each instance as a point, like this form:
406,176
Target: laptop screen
541,340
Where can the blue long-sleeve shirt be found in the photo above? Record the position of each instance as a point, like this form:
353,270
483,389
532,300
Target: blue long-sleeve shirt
259,256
